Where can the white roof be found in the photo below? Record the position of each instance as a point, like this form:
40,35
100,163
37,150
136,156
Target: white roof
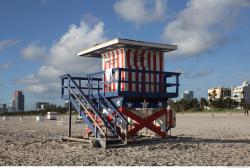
97,50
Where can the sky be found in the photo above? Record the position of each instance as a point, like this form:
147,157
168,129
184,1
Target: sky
40,39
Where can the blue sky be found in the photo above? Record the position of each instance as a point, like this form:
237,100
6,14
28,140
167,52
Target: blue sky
39,38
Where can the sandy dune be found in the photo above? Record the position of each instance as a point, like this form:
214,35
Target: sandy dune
202,140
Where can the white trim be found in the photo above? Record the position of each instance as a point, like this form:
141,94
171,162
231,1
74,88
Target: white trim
163,47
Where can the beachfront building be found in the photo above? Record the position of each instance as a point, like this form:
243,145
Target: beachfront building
3,108
219,93
18,101
188,95
241,93
42,106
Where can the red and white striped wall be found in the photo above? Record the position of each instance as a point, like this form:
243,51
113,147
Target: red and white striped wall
134,59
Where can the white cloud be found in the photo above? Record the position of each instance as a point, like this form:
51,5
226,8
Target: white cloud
196,28
194,74
141,11
5,65
64,51
40,86
62,58
45,89
6,43
33,51
37,88
30,79
49,72
201,73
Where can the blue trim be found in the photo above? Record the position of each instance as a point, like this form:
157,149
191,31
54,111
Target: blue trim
165,85
128,94
95,84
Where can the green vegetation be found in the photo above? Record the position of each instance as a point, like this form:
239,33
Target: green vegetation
217,105
60,110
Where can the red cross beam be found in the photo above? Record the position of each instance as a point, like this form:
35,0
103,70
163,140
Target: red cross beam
145,122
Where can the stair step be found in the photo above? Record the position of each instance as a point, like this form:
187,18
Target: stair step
113,140
112,137
115,143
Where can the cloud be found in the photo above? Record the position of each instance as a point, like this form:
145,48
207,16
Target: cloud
30,79
43,2
44,89
194,74
202,73
63,54
39,86
200,27
62,58
141,11
33,51
5,65
49,71
6,43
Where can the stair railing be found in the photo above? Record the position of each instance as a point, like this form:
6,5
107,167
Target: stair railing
76,95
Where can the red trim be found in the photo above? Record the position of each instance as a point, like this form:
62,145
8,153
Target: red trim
135,57
147,122
117,66
117,56
161,69
169,118
142,58
123,73
113,66
109,66
154,66
136,67
105,67
149,67
129,73
143,87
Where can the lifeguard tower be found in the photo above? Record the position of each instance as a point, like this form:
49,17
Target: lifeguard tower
129,96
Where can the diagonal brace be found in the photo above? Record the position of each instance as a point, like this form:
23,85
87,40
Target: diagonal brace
145,122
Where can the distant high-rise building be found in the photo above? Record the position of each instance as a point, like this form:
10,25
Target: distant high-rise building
188,95
219,93
18,101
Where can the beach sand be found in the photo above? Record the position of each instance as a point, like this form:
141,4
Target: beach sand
202,140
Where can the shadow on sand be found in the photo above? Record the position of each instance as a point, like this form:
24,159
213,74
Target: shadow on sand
186,140
205,140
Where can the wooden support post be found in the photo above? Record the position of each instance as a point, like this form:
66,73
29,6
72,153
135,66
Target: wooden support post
126,135
69,129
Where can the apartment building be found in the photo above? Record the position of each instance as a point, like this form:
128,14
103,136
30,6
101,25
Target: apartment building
241,93
219,93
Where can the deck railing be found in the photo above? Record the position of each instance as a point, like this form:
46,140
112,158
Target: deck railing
164,85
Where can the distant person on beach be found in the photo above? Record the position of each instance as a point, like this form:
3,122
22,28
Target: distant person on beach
246,111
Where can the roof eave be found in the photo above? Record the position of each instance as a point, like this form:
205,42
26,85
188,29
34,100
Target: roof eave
89,52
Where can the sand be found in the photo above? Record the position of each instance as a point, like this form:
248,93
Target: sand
202,140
